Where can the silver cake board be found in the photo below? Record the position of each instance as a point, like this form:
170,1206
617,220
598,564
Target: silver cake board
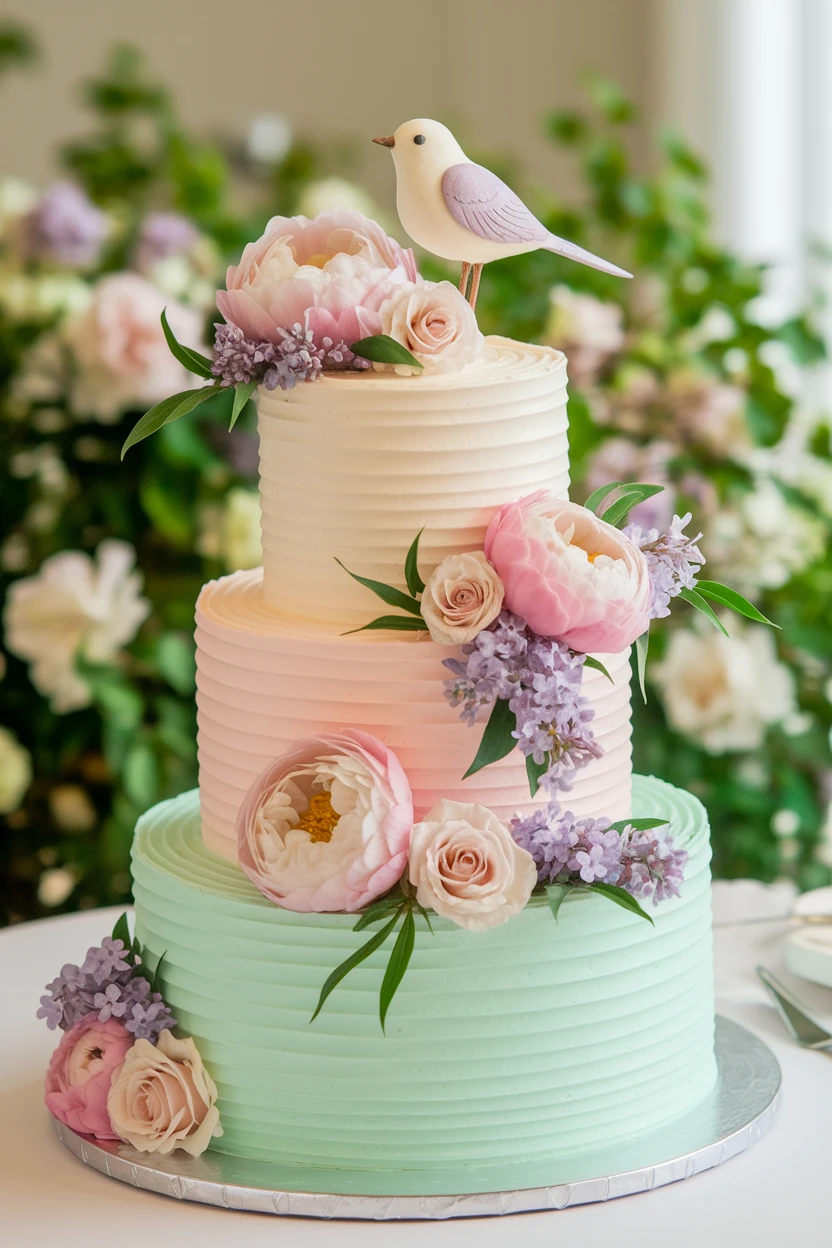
737,1112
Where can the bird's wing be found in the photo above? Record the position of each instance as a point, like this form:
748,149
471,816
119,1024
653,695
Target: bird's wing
481,202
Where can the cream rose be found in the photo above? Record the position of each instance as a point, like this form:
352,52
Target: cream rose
465,865
462,597
163,1098
436,324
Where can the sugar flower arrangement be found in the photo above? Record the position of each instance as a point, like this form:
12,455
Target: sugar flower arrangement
119,1072
330,825
314,296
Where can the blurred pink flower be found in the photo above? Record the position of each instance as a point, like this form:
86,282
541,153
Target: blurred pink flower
569,575
619,459
326,827
81,1071
329,274
589,331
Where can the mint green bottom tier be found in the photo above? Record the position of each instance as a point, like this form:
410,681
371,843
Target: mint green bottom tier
536,1040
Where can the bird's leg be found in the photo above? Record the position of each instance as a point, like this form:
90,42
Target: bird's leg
463,278
475,285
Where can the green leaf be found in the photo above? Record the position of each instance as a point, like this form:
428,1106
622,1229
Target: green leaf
242,393
176,661
424,915
384,350
618,511
589,661
534,771
354,960
140,774
387,593
396,967
621,898
730,598
193,361
696,600
166,411
378,910
156,977
598,496
642,644
399,623
411,567
497,740
556,895
640,825
121,931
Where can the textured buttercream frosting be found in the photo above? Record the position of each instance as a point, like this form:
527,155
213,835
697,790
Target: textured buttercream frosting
263,683
357,464
533,1040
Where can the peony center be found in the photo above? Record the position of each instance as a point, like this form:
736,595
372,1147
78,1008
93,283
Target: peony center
319,820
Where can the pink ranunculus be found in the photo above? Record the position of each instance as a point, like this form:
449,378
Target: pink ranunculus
330,274
81,1071
570,575
326,827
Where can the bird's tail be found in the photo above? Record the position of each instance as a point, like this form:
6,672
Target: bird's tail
572,252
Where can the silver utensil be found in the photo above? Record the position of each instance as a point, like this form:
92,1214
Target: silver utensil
808,1033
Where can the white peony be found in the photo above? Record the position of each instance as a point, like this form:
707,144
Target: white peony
435,323
74,606
763,541
15,771
724,691
465,865
588,331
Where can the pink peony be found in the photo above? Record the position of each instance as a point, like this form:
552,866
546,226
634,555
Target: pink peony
327,825
330,274
570,575
81,1071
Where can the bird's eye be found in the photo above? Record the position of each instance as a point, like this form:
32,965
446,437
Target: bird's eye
418,138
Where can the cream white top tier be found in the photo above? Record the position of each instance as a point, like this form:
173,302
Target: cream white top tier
356,464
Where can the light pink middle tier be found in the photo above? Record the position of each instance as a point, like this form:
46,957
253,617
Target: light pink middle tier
262,685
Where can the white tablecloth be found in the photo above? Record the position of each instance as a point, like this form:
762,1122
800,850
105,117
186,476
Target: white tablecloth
776,1193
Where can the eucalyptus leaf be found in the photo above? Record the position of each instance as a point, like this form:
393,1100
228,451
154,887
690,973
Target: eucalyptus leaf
242,393
121,930
384,350
411,567
535,771
640,825
396,967
378,910
621,898
642,644
387,593
166,411
497,740
730,598
696,600
354,960
618,511
556,895
590,661
398,623
193,360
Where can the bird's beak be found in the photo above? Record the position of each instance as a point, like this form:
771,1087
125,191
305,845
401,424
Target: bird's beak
386,140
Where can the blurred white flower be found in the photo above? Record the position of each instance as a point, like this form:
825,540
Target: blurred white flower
785,822
71,808
709,413
336,193
724,691
230,531
269,138
15,771
823,851
16,198
42,296
588,331
763,541
122,357
55,886
74,606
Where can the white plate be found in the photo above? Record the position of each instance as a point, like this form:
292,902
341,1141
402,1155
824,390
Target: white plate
808,951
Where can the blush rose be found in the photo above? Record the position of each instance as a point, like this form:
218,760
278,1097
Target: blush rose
80,1074
163,1098
461,598
435,323
465,865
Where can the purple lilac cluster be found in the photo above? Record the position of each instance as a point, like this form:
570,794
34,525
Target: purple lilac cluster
108,984
673,561
541,681
296,358
66,227
567,850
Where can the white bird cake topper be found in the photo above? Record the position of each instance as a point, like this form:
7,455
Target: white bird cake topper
461,211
